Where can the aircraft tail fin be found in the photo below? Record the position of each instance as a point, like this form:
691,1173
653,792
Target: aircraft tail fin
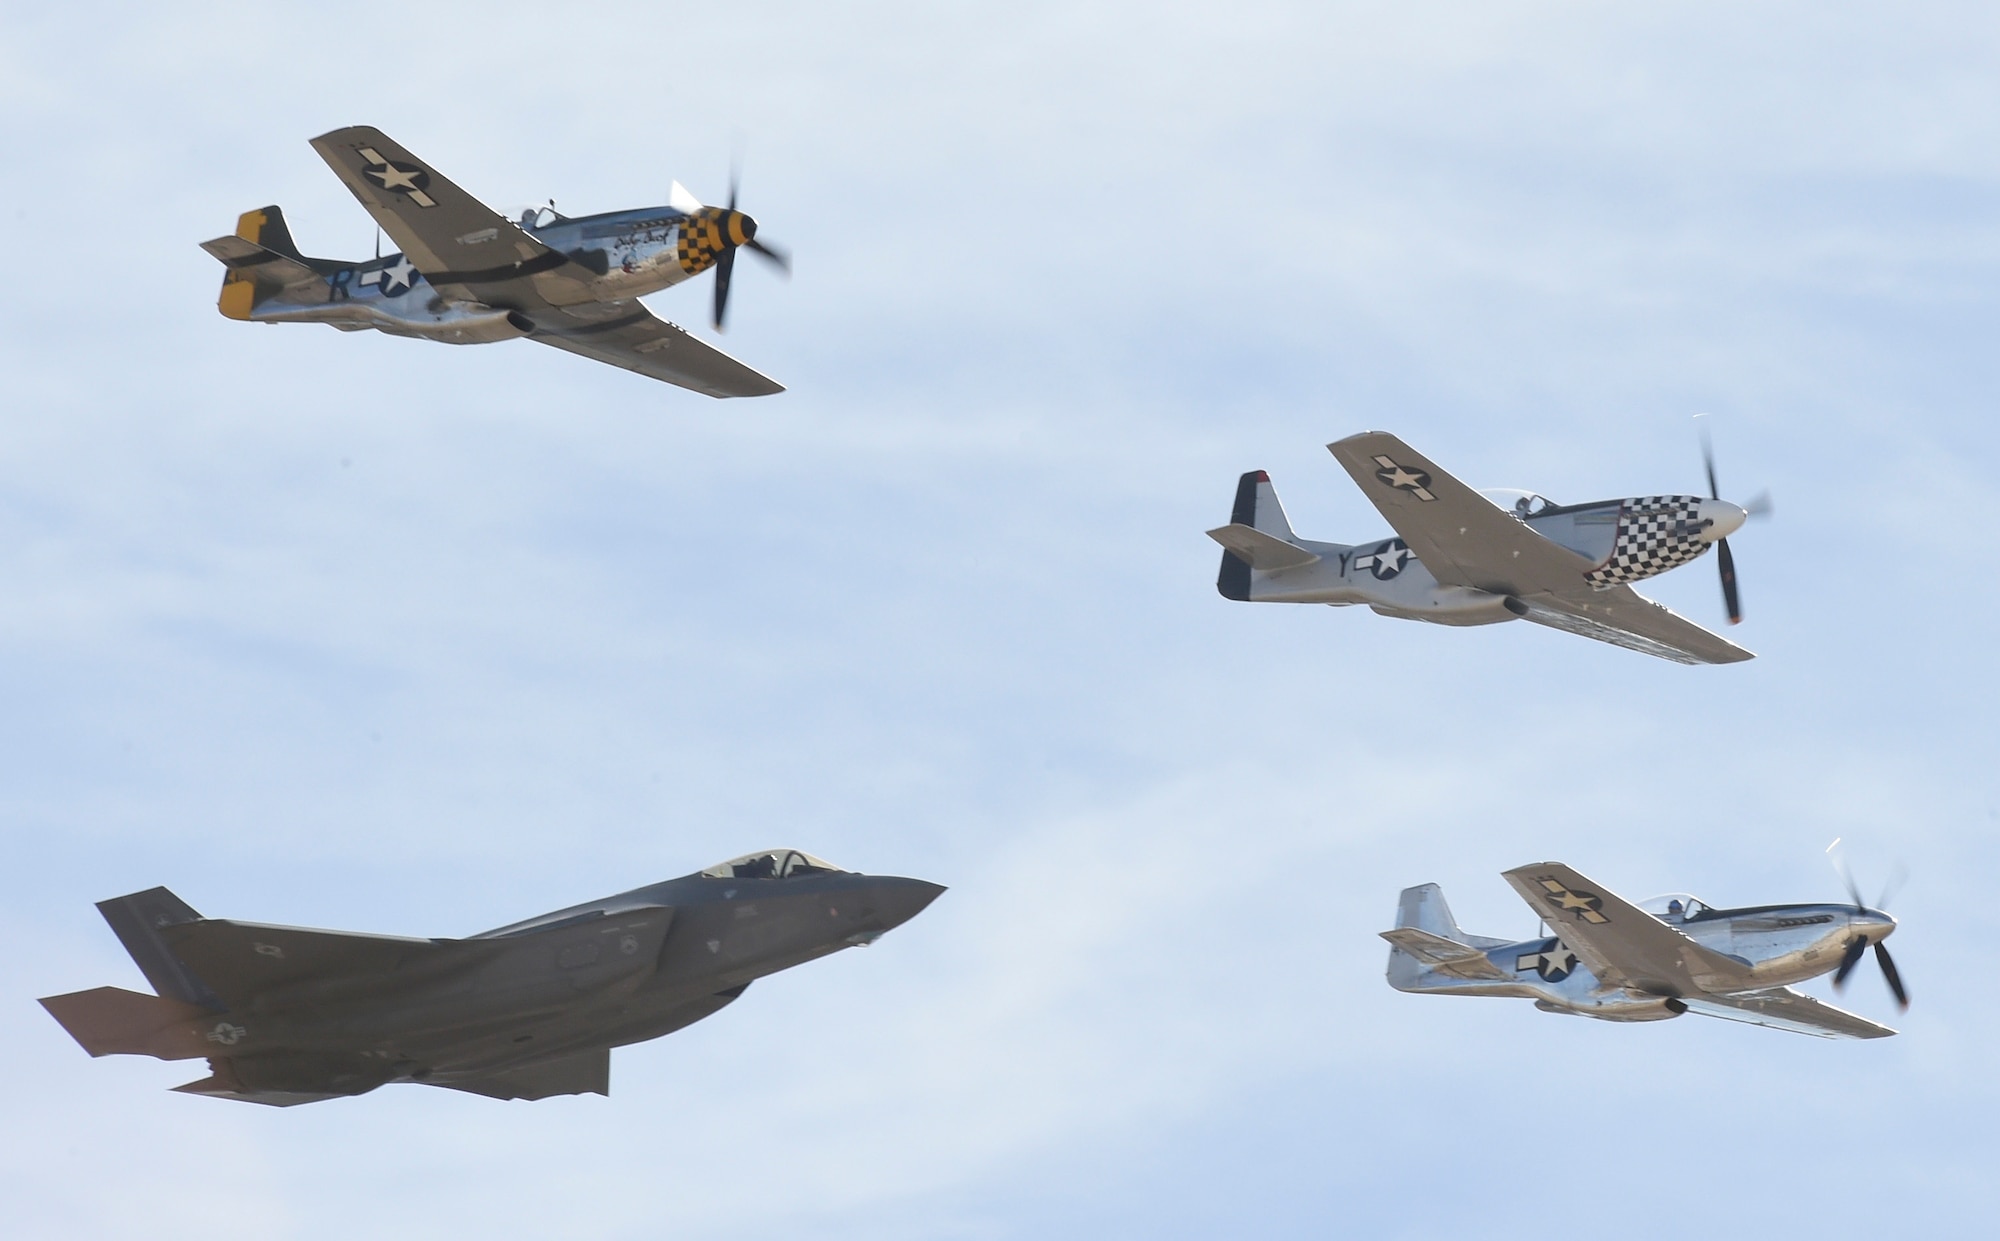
1258,536
1423,907
266,227
137,920
1427,941
262,259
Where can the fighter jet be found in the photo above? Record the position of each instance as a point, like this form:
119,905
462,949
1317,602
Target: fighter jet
467,276
526,1011
1671,955
1464,557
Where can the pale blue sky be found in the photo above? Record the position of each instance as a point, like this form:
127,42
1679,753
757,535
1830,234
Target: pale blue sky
372,634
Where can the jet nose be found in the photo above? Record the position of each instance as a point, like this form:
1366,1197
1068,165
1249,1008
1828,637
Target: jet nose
1719,519
896,901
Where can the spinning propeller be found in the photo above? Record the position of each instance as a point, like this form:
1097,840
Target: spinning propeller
733,230
1726,563
1859,944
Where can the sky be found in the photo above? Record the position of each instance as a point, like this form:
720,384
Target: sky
345,631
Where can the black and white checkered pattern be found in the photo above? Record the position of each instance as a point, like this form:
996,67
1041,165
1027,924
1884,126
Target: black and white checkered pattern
1655,533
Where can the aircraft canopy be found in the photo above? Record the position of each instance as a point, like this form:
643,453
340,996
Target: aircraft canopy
1674,907
772,864
1518,502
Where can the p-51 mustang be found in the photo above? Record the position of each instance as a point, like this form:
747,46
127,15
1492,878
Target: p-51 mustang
1621,962
1463,557
467,276
530,1010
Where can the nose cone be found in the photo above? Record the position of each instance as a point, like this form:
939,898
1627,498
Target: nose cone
741,228
896,901
1872,924
1720,519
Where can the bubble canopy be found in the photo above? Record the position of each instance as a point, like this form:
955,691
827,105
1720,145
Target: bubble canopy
772,864
1518,502
1674,906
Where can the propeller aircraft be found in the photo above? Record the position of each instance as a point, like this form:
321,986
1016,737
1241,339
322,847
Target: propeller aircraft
467,276
1671,955
1463,557
529,1010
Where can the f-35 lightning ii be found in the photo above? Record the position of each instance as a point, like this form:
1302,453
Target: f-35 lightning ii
526,1011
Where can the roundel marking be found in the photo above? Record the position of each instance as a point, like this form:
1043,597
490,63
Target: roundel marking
1389,558
1404,478
1585,905
397,177
1553,961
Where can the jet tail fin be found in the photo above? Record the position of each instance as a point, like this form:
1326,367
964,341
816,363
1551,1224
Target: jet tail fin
137,920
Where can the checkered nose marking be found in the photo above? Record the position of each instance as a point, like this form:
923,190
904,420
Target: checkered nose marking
1720,519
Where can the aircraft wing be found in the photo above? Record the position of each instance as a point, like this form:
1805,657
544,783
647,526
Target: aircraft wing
1624,617
1463,538
627,335
239,960
243,962
459,243
1782,1008
587,1072
1621,943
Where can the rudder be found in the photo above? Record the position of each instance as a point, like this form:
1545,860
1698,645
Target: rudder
266,227
136,921
1424,908
1256,506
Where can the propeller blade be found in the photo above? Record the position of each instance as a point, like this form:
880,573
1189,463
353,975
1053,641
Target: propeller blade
772,255
680,200
1839,861
1890,975
724,262
1708,461
1895,885
1760,505
1727,564
1849,959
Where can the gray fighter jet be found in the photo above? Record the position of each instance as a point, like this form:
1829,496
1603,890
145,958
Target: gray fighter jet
530,1010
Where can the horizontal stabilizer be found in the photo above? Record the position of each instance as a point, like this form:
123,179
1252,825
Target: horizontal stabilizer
1259,550
110,1021
218,1087
255,261
1446,956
